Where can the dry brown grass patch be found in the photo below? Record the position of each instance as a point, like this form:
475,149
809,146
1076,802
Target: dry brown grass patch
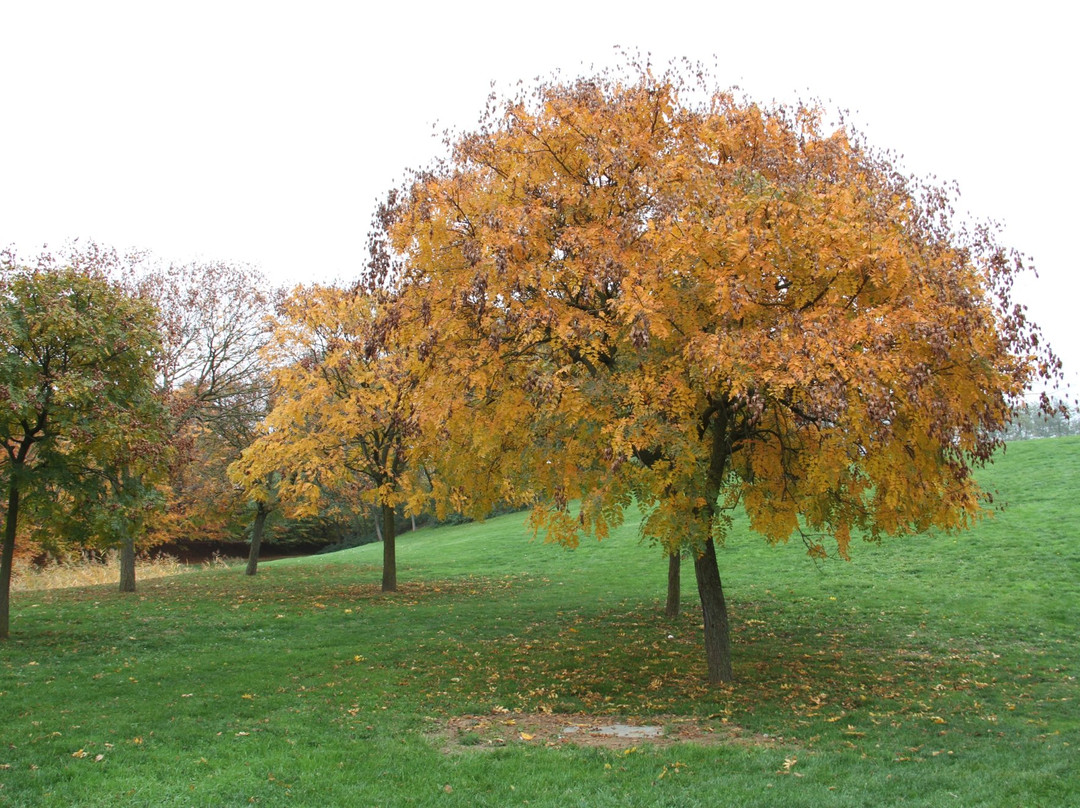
498,729
72,572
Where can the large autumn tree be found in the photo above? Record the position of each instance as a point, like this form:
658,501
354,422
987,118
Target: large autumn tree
80,423
647,291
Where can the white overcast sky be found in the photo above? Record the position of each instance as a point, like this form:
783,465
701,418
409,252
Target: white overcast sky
263,132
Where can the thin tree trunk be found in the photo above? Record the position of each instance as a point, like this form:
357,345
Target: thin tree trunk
674,584
389,555
714,612
706,570
127,563
261,512
7,558
378,530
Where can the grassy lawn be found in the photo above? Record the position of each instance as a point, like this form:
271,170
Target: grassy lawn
929,671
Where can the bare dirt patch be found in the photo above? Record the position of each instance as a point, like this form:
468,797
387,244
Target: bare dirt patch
480,732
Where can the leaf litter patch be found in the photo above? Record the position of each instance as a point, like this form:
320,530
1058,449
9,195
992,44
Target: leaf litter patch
567,729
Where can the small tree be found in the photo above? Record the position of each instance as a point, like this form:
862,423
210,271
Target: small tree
342,414
647,290
77,389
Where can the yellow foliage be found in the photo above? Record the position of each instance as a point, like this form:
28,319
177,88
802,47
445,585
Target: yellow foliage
343,418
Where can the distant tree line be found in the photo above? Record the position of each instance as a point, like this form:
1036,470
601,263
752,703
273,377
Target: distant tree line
1031,421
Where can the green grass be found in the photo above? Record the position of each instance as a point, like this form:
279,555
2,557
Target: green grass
929,671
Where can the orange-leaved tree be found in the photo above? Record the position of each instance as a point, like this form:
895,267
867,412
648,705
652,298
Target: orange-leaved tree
675,297
342,414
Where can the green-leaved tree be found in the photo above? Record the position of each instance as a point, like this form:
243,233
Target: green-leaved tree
79,416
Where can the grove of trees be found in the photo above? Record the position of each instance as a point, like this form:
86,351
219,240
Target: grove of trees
622,291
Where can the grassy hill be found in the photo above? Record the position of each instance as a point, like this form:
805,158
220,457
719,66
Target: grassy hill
928,671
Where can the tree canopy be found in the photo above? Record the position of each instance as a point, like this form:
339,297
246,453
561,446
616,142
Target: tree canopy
644,290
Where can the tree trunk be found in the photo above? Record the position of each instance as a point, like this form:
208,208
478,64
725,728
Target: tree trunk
674,584
706,569
7,558
389,552
714,612
127,563
378,530
261,512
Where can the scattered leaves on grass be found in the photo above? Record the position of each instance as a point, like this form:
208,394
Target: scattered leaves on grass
788,765
671,769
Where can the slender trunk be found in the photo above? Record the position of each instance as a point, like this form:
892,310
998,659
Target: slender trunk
378,530
261,512
706,570
127,563
412,517
389,554
714,612
7,557
674,584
